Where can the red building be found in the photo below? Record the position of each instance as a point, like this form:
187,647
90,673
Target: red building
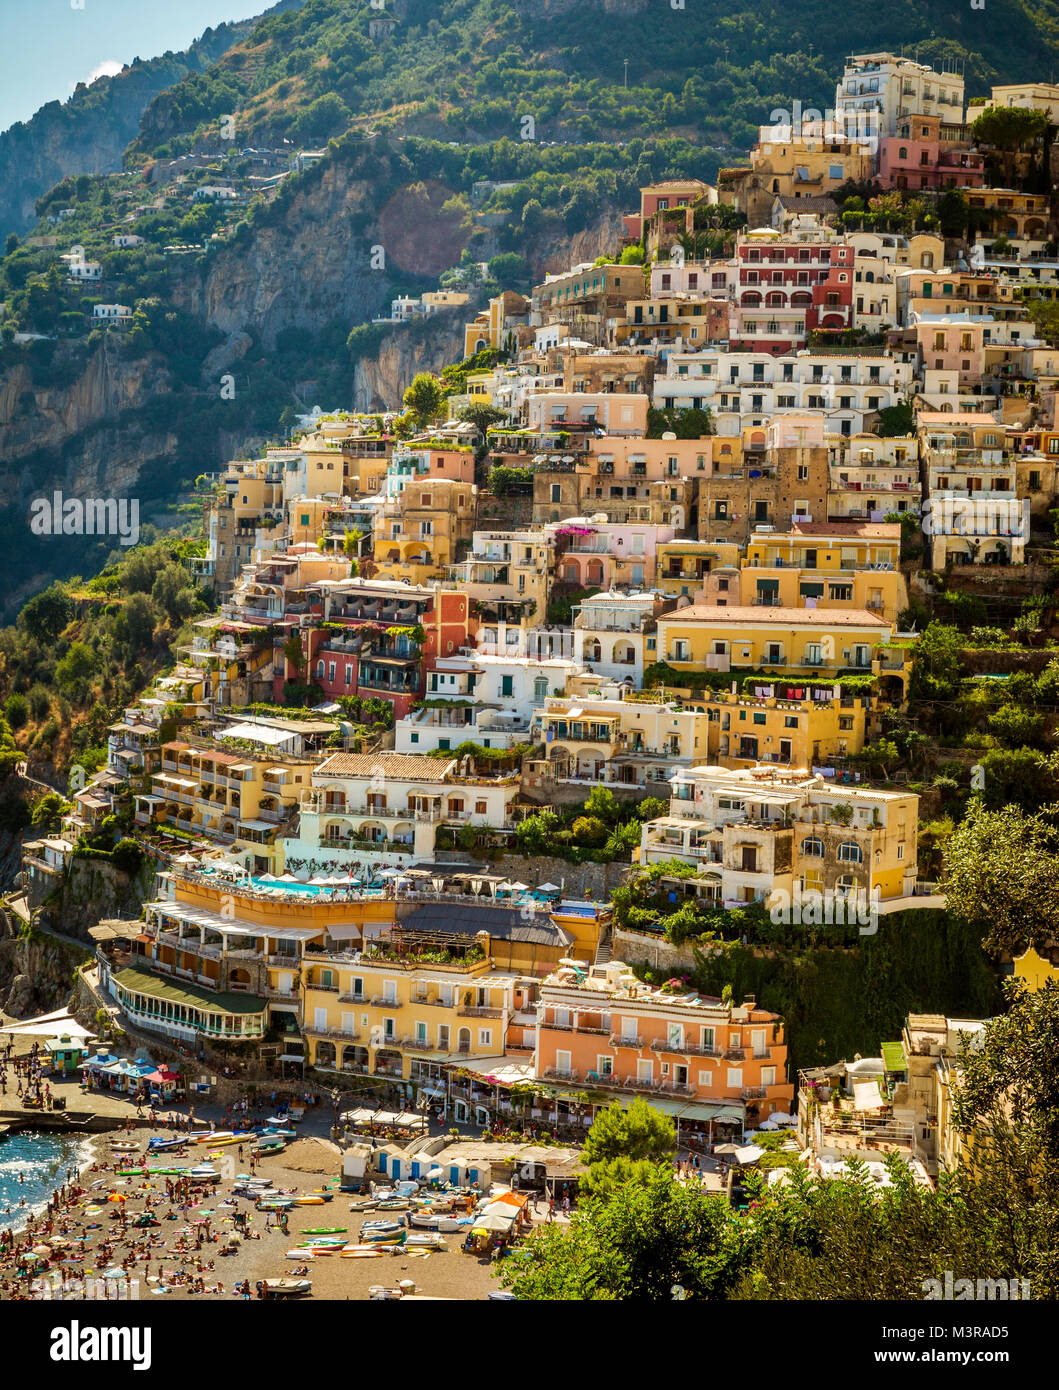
786,289
376,638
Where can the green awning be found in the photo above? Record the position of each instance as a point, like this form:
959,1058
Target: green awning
893,1055
192,996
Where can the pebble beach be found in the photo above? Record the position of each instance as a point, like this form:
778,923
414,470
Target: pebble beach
88,1237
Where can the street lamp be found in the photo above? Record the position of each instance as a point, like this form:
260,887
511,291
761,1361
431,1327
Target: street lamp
626,62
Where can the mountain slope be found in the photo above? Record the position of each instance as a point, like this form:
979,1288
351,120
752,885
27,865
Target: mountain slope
474,69
88,134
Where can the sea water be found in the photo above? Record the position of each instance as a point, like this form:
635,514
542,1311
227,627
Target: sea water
33,1164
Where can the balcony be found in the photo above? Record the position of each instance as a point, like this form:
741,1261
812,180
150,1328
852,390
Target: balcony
478,1011
378,1001
753,1093
626,1040
557,1074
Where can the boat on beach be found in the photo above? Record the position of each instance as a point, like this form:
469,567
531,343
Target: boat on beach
285,1286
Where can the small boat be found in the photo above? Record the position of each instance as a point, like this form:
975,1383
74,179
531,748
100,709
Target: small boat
151,1172
164,1145
424,1241
205,1172
394,1204
383,1237
438,1221
380,1226
269,1146
367,1204
285,1287
309,1201
326,1231
278,1133
362,1252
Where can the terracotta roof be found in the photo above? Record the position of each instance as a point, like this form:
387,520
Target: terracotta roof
767,616
878,530
409,766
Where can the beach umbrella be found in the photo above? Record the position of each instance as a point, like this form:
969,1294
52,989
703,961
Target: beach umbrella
117,1197
44,1251
548,888
516,887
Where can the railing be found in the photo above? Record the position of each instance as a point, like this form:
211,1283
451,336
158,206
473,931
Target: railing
753,1093
556,1074
626,1040
479,1011
379,1001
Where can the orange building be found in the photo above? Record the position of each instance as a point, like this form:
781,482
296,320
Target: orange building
605,1029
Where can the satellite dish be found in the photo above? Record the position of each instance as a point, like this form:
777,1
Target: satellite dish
669,435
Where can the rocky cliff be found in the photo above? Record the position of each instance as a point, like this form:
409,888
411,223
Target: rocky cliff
36,970
93,889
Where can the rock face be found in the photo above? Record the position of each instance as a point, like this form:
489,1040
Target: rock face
300,270
380,379
93,889
36,971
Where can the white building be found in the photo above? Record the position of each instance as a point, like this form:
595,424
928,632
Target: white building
386,808
111,313
747,387
883,87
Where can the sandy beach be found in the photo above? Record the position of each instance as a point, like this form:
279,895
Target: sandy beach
180,1257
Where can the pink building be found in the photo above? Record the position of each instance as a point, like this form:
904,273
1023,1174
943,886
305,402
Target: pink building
605,555
919,156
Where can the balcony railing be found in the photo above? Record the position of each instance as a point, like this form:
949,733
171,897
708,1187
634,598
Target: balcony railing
626,1040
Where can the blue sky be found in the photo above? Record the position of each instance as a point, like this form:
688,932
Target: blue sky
48,46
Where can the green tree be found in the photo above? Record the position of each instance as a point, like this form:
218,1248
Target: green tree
46,614
1015,727
636,1132
48,813
638,1241
17,710
1002,876
424,398
936,666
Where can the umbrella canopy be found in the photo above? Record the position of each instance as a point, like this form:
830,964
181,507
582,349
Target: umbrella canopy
44,1251
726,1148
493,1221
548,888
515,887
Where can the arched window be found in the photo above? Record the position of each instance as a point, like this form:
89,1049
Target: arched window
849,852
813,847
902,153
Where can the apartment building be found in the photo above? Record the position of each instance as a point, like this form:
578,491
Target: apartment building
238,796
614,633
845,387
482,698
811,160
410,1000
784,723
508,567
612,741
789,286
926,152
687,568
870,477
247,502
759,832
421,526
386,808
972,511
606,1030
877,89
827,565
783,641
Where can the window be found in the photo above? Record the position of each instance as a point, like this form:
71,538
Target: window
604,1066
850,853
813,847
735,1078
768,1076
485,1037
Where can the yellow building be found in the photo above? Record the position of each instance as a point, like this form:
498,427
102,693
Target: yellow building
418,530
238,798
817,643
782,724
685,567
1036,970
414,997
495,327
845,566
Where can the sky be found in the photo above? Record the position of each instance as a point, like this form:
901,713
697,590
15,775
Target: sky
48,46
